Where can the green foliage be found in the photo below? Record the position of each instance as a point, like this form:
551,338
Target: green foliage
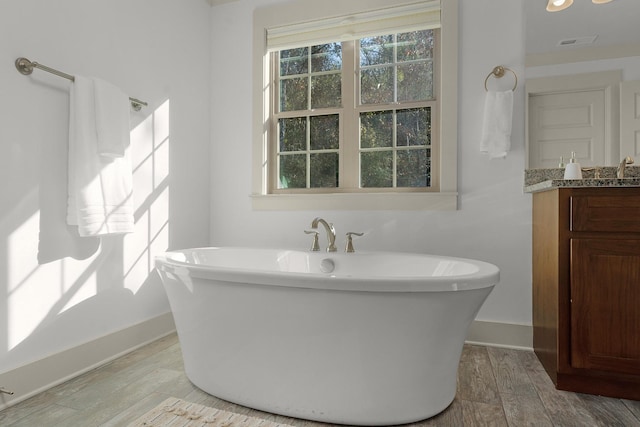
393,69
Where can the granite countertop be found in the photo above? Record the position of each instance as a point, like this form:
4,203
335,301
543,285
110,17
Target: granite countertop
546,179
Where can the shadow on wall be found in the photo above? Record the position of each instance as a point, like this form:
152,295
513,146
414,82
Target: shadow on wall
65,289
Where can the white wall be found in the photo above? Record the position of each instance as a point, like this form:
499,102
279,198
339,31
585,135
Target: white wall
58,290
630,67
494,219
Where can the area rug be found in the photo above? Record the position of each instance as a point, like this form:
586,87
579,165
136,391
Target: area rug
177,412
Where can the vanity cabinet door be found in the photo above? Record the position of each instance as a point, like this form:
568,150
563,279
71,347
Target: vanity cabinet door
605,304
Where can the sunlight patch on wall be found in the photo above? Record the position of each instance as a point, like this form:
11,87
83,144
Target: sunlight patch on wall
40,292
141,149
23,242
28,303
77,288
150,156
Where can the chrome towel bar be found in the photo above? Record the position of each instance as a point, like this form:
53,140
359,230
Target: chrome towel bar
26,67
4,391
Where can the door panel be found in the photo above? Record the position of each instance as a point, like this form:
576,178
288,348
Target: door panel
605,296
630,119
560,123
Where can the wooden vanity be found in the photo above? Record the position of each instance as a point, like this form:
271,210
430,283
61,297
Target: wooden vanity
586,288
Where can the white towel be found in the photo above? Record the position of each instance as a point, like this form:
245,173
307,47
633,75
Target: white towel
112,118
100,188
496,126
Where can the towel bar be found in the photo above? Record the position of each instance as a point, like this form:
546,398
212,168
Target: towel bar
26,67
498,72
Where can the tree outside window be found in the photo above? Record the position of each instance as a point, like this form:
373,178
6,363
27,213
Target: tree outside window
355,115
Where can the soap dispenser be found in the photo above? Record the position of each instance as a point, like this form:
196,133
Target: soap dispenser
573,169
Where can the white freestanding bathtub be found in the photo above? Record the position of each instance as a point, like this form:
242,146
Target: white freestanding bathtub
362,338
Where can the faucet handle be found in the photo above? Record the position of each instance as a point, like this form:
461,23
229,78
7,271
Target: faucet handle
315,246
597,170
350,234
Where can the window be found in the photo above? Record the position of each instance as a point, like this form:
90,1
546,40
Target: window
307,119
386,128
352,107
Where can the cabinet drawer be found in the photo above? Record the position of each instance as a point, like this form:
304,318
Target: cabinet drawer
605,213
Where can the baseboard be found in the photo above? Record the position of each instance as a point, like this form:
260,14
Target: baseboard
29,380
496,334
36,377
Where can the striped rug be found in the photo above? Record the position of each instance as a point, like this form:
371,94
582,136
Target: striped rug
177,412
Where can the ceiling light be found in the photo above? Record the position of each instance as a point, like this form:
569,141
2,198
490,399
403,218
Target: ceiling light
557,5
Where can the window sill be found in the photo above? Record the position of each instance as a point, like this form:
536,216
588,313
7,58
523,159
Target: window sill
365,201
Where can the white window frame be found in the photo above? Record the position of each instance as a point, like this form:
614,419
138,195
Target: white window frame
300,11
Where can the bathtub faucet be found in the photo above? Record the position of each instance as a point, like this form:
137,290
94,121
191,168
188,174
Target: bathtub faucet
331,233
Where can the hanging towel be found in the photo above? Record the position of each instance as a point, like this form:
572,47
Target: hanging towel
496,126
112,118
100,188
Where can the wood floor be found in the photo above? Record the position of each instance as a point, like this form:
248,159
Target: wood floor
496,387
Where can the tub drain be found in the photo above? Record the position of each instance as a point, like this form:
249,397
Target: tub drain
327,265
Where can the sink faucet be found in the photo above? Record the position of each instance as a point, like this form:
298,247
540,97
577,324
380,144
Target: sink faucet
626,161
331,233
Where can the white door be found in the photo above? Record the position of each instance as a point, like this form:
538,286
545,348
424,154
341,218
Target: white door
577,112
562,122
630,119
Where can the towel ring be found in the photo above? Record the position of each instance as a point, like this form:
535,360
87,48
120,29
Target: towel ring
498,72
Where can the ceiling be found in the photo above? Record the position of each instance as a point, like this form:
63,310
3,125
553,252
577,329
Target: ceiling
614,23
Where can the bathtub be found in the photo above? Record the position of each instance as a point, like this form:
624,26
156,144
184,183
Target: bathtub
364,338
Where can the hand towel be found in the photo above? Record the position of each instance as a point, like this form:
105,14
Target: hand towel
112,118
496,125
100,188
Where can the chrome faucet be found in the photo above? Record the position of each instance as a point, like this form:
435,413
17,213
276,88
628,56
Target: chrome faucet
331,233
626,161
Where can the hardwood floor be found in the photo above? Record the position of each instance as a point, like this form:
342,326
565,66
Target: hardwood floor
496,387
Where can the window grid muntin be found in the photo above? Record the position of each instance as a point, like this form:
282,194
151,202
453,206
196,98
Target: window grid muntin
308,76
394,64
351,81
395,148
307,152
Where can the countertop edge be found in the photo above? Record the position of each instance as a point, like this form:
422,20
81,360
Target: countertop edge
582,183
